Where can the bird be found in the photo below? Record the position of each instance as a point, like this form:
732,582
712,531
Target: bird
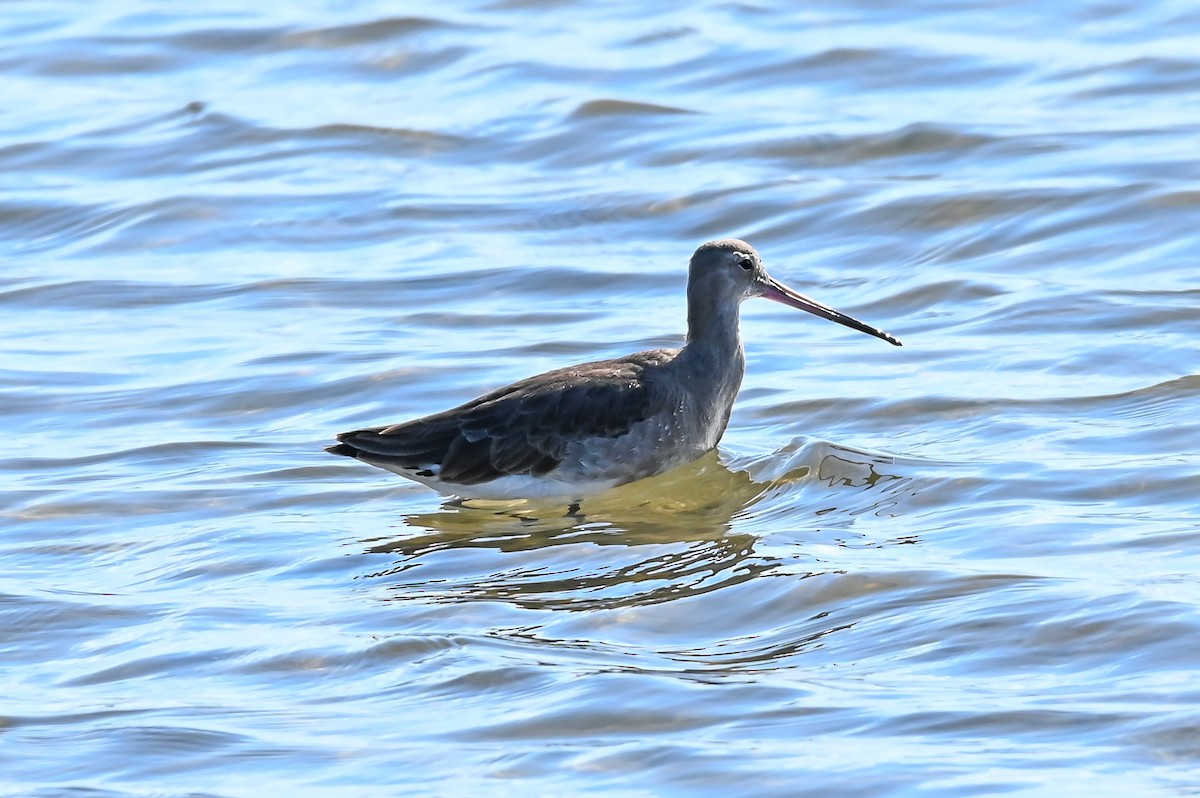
579,430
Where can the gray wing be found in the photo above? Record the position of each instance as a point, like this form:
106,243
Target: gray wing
523,428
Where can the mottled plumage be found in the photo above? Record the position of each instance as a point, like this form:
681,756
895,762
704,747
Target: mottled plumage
584,428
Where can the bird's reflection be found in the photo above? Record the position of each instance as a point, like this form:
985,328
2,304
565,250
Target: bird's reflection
664,538
673,532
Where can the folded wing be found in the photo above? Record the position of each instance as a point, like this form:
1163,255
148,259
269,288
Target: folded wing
524,428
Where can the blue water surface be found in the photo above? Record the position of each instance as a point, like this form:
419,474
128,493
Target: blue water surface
964,567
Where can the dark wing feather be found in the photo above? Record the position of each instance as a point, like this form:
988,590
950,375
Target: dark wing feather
523,428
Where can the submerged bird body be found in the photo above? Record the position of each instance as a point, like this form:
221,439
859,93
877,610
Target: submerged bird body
586,428
571,431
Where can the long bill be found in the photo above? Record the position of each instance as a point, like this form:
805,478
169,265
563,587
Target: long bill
778,292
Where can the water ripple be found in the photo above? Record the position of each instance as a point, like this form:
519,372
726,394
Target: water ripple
961,567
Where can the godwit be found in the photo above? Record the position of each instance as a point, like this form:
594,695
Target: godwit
586,428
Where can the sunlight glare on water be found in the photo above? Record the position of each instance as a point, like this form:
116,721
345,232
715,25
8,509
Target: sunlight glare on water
963,567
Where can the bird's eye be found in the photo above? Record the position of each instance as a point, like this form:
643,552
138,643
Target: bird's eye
746,264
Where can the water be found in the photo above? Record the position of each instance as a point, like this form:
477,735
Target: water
964,567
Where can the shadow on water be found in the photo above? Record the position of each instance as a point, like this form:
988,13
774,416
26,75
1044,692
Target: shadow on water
681,534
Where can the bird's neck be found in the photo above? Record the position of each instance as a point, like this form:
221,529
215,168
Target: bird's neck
714,344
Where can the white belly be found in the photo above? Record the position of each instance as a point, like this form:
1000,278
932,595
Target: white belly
513,486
